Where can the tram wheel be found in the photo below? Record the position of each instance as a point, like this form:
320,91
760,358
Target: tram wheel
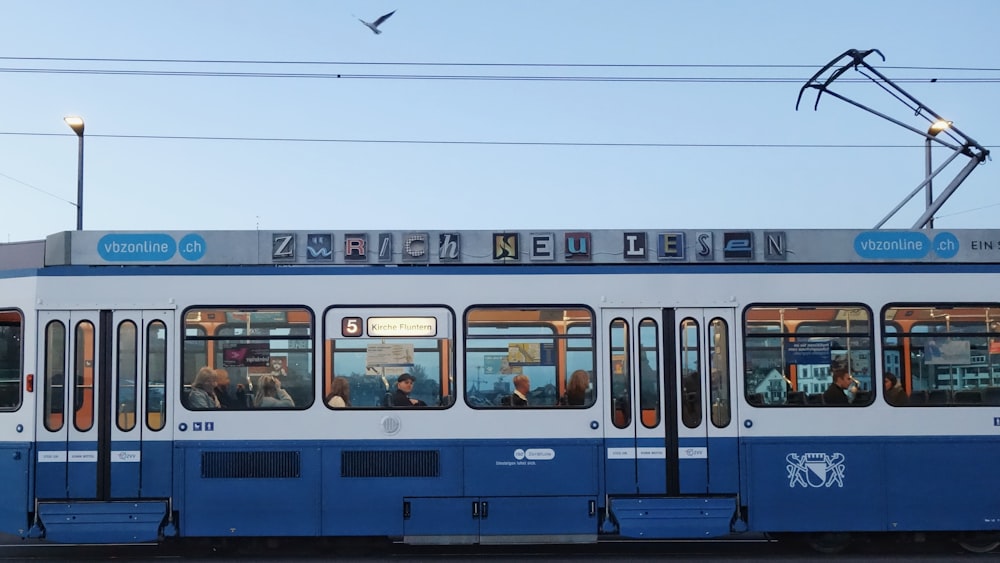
980,543
828,542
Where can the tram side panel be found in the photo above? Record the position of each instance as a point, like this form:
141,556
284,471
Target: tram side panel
847,478
417,485
17,408
944,482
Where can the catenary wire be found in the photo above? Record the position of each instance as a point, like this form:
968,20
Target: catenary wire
475,77
470,141
465,64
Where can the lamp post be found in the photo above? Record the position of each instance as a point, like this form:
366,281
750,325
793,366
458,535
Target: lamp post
75,123
932,131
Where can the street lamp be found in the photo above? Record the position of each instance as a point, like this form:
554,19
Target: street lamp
932,131
75,123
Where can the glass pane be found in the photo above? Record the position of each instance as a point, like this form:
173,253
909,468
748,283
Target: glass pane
55,374
690,356
649,372
791,352
11,329
621,378
83,375
227,351
539,348
128,373
718,335
941,354
156,375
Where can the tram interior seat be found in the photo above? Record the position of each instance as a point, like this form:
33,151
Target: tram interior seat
796,398
939,397
756,399
814,399
387,399
918,398
992,396
10,395
300,395
968,397
863,398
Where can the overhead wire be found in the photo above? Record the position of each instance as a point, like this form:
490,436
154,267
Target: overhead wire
471,141
466,77
477,77
465,64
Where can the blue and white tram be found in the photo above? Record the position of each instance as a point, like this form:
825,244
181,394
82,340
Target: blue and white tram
678,385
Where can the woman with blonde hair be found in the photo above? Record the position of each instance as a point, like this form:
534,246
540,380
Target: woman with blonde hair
202,395
270,394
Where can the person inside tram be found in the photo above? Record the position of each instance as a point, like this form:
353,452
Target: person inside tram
576,389
522,386
223,394
843,389
340,393
202,395
270,394
691,398
404,386
895,395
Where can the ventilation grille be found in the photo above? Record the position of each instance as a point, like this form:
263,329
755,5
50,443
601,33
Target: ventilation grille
250,465
390,464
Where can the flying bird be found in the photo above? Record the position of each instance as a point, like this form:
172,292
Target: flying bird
374,25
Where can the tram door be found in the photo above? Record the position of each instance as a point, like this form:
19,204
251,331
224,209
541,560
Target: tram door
706,367
635,425
101,399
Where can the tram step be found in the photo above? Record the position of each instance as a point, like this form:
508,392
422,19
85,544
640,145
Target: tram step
102,522
674,518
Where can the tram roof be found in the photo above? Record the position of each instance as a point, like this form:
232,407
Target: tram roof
512,248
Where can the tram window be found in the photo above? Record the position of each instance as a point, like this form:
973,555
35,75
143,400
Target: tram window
942,354
156,375
369,349
621,374
11,331
83,376
690,383
791,351
545,344
718,368
55,375
649,373
248,342
126,375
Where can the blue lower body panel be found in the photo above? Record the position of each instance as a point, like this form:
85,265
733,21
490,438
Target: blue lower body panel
102,522
673,518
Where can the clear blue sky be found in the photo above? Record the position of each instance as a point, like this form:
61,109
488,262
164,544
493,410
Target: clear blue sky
175,184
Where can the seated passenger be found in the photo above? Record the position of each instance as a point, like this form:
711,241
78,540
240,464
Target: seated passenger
576,389
894,393
843,388
522,386
226,398
340,393
202,395
404,386
270,394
